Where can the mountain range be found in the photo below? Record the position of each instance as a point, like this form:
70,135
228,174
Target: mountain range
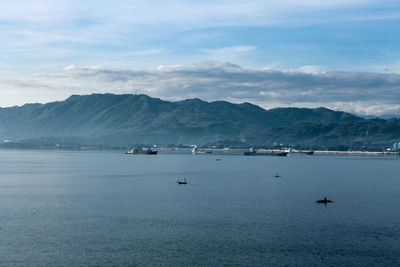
140,119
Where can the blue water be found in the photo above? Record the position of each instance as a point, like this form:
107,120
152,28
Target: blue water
108,208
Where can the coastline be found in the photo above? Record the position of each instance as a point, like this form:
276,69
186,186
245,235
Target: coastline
358,153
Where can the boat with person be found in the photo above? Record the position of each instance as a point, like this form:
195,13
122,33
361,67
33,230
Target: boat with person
252,152
144,151
324,201
182,182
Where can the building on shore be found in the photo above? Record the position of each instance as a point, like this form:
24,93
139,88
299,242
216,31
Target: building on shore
396,146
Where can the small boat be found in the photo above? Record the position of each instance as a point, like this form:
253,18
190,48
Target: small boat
277,175
218,159
182,182
324,201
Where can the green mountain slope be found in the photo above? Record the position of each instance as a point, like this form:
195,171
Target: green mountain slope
125,119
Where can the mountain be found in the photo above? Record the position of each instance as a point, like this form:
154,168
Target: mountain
129,119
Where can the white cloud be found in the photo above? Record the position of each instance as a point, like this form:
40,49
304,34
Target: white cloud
393,68
219,12
359,92
90,21
230,50
46,34
232,53
70,67
312,68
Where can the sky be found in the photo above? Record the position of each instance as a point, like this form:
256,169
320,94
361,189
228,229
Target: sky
343,55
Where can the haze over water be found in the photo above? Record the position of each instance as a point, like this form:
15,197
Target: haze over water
108,208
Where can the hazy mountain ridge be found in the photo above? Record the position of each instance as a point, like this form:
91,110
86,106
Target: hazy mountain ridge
125,119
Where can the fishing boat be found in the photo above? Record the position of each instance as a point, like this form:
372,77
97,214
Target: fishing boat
277,175
324,201
182,182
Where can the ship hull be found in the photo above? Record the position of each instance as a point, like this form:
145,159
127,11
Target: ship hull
142,153
303,152
279,154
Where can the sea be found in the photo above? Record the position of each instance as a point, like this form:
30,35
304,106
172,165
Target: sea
105,208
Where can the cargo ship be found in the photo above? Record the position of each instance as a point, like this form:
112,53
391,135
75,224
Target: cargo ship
294,151
196,150
253,152
144,151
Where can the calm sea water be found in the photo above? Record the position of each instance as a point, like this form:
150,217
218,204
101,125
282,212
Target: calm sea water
107,208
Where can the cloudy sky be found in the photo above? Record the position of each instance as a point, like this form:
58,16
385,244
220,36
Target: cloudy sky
339,54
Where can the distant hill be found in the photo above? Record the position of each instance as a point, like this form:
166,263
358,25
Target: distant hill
130,119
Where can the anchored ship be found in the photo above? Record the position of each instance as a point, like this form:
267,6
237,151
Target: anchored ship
294,151
196,150
144,151
253,152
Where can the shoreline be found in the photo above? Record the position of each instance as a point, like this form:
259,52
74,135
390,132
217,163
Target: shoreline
358,153
216,150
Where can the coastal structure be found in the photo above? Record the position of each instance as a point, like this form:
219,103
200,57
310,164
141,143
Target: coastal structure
396,146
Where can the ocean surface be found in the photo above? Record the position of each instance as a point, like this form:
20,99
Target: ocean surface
106,208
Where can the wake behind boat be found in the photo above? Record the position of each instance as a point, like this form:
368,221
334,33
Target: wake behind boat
144,151
253,152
